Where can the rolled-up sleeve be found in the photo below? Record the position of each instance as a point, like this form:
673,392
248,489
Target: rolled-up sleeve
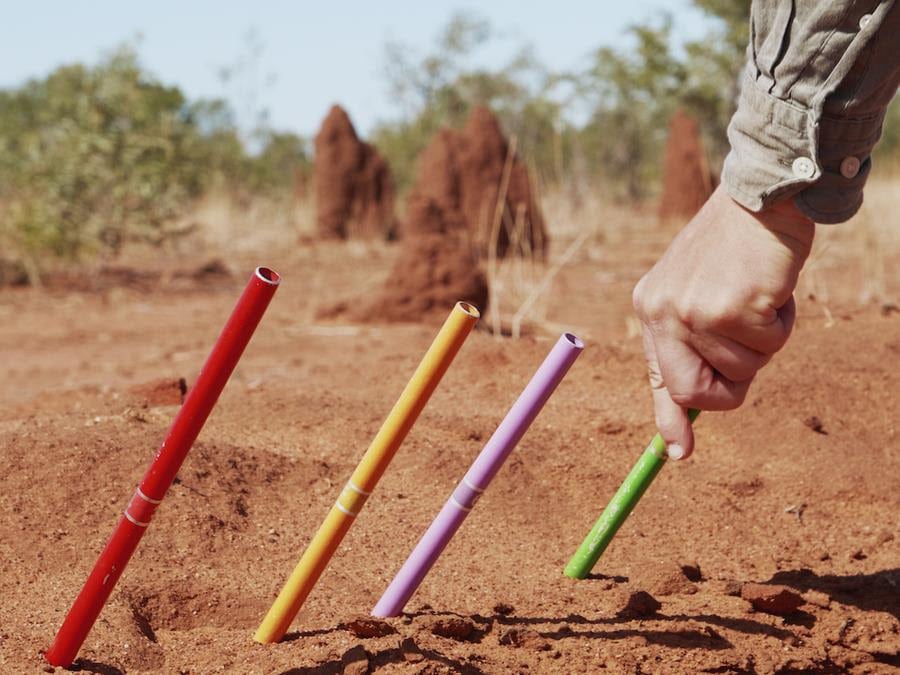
818,80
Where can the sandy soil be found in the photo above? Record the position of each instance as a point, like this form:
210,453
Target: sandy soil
771,495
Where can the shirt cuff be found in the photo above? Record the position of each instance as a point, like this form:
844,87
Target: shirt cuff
779,149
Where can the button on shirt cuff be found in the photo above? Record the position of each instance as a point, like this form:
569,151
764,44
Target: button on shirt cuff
779,149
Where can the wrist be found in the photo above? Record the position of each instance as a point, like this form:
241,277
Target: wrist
788,224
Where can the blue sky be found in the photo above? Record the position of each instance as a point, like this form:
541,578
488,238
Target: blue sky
313,54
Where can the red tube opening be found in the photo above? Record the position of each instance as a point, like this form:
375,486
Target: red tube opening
268,275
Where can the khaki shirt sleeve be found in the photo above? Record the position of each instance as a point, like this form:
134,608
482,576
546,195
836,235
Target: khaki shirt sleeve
818,80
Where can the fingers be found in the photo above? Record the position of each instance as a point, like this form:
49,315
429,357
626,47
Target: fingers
671,419
691,381
766,336
682,377
732,359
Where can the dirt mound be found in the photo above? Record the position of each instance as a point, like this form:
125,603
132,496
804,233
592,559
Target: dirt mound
451,219
436,268
464,172
354,187
483,157
687,179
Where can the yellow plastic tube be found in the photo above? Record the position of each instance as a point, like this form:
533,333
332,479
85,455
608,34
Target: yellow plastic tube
370,469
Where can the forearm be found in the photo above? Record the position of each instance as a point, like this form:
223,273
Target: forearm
818,80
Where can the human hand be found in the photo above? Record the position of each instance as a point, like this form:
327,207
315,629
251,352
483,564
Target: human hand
716,306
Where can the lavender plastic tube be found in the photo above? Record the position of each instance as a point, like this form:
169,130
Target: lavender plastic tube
479,475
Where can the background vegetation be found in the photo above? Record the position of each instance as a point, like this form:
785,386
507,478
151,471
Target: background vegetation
94,157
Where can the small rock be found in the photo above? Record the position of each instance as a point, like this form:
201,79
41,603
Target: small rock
818,599
166,391
611,428
732,587
771,598
524,637
504,609
640,603
410,651
711,632
49,669
368,627
453,627
355,661
884,536
858,555
815,424
692,572
668,578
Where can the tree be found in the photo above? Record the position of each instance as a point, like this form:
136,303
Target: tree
92,157
437,90
632,94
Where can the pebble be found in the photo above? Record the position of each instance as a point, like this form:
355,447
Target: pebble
815,424
410,651
771,598
355,661
732,587
818,599
524,637
640,603
692,572
453,627
368,627
504,609
670,579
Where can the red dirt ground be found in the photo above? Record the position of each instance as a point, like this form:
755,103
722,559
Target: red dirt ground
770,495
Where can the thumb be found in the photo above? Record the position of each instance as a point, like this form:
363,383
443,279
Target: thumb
671,419
673,424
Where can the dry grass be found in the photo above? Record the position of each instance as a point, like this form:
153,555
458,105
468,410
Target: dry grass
225,225
852,264
855,263
583,226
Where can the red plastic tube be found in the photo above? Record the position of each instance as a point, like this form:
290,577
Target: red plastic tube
190,419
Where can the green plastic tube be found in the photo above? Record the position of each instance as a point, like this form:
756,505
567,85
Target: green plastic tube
621,505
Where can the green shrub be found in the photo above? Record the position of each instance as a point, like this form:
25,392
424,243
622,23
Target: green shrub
93,157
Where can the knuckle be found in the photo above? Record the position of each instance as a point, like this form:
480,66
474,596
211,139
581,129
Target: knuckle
653,308
638,295
728,314
703,317
650,301
693,316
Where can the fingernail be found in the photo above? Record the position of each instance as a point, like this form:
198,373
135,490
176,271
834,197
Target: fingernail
675,451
